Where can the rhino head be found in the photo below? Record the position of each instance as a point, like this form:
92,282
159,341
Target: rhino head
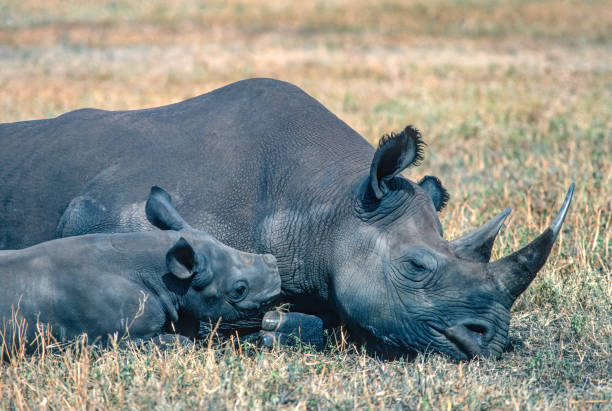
400,286
213,279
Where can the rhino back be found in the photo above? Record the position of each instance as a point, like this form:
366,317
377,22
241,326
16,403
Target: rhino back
81,284
229,158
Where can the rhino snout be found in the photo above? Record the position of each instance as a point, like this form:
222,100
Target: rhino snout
258,286
261,301
272,296
473,337
273,291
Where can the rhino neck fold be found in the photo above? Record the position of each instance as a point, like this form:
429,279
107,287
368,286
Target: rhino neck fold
147,252
168,298
302,240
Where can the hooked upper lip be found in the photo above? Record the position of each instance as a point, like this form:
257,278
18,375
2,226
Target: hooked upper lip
464,339
270,300
468,338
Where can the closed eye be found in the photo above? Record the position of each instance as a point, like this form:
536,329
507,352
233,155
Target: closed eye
416,267
238,292
419,261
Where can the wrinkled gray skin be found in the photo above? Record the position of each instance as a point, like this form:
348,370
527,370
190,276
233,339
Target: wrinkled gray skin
140,285
265,168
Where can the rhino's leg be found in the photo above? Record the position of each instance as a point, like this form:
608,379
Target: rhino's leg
83,215
291,328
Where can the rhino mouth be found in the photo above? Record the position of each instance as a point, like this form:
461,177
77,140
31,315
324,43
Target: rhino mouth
465,341
249,308
269,302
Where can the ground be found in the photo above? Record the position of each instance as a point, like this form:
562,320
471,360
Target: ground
514,99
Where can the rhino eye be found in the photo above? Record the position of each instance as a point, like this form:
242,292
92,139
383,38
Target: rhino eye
419,263
239,291
414,270
426,261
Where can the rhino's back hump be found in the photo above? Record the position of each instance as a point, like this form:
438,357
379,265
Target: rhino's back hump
250,113
226,150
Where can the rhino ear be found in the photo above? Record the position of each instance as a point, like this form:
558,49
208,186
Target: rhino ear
433,186
395,153
182,260
161,213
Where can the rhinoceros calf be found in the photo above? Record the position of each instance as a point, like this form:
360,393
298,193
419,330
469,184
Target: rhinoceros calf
140,284
265,168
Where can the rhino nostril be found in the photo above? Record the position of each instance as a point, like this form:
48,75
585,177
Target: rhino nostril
478,331
472,336
477,328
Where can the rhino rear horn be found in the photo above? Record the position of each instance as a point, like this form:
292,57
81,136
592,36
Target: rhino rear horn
478,244
161,213
515,272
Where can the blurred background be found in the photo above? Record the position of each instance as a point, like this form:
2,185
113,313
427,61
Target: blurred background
514,98
378,64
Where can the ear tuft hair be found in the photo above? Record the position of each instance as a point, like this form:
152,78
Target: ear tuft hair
395,153
410,132
433,186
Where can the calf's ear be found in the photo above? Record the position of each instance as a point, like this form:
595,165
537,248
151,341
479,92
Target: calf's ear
436,191
182,260
161,213
396,152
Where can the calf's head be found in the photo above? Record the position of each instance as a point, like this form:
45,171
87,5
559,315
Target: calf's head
212,279
402,287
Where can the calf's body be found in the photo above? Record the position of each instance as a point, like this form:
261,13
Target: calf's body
139,285
95,284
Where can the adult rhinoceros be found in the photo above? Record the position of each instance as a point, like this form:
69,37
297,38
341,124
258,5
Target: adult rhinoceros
265,168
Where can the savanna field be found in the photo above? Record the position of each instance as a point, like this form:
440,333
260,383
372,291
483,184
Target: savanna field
514,101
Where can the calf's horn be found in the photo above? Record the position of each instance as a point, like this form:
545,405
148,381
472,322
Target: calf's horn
516,271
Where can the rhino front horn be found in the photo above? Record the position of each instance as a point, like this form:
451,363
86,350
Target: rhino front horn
516,271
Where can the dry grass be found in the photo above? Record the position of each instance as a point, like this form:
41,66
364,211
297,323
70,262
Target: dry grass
514,101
